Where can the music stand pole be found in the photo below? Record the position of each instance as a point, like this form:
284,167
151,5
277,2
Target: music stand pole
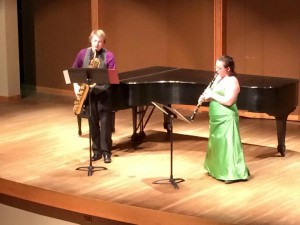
171,180
90,168
89,76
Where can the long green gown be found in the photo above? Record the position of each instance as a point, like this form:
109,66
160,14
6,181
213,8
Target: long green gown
224,158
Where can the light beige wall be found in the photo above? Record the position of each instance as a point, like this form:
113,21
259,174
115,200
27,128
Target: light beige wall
14,211
3,68
9,51
13,216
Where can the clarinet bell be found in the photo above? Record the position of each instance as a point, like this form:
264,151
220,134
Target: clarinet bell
188,118
192,117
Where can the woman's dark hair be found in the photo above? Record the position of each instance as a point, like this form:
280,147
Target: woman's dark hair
228,63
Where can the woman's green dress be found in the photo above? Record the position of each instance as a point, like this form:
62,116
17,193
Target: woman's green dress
224,158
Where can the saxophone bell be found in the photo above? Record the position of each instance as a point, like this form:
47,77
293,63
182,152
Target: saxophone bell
94,62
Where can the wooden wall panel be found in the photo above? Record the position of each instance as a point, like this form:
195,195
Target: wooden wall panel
61,30
263,37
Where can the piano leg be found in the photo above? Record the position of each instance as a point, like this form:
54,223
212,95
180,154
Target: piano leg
138,115
281,132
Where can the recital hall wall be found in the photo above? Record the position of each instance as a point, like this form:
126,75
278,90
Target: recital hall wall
168,33
141,33
262,35
61,28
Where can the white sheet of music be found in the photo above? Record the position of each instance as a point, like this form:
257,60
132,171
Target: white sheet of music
67,76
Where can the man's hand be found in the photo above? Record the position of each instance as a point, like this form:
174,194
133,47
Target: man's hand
76,88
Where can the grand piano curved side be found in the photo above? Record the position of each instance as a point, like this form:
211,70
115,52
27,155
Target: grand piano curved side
275,96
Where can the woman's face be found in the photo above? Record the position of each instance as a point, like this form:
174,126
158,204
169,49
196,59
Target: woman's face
97,42
220,69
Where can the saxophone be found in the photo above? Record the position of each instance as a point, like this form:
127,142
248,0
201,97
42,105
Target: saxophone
201,98
84,88
95,62
80,98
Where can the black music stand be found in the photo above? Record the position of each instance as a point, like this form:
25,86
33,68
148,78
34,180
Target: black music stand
88,76
172,113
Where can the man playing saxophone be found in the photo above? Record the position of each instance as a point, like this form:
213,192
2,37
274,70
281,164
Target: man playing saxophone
100,120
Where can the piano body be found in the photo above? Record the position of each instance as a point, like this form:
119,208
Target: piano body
275,96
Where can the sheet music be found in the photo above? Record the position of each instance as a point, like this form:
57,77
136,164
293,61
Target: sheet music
67,76
113,76
178,114
167,110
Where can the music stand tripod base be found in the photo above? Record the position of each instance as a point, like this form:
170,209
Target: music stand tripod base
88,76
172,113
171,180
91,169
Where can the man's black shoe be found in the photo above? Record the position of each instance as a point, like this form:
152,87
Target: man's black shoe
107,158
96,157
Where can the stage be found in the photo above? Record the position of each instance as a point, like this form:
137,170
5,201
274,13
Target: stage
40,150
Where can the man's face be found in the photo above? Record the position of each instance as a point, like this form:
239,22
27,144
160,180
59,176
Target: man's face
97,42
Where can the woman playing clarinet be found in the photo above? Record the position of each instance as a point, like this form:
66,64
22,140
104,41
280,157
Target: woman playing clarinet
224,158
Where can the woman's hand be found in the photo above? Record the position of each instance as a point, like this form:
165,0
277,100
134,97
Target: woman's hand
207,95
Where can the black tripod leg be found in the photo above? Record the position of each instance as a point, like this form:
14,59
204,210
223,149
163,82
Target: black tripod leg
90,168
167,122
171,180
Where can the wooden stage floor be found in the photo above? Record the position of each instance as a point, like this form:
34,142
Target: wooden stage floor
40,151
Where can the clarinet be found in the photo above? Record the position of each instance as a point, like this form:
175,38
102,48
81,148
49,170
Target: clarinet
202,97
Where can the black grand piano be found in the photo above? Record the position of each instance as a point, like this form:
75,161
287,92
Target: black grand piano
275,96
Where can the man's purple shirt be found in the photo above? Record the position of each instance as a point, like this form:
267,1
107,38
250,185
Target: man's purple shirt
110,59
